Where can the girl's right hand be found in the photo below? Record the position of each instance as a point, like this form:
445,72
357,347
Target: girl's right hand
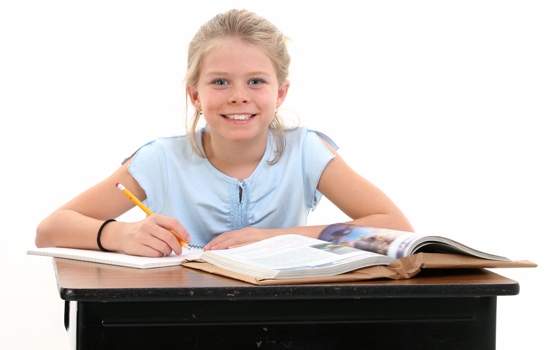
148,237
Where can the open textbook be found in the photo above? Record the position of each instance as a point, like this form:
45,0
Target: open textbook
340,248
344,252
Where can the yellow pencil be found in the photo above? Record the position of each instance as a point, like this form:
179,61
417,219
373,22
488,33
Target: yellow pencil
147,211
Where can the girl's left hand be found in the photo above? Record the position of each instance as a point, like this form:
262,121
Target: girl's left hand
237,238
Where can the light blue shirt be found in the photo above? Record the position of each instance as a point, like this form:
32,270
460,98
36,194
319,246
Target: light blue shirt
180,184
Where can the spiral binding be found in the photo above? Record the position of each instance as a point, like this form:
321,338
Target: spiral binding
196,246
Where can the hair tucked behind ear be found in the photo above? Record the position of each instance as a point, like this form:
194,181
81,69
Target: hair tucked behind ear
253,29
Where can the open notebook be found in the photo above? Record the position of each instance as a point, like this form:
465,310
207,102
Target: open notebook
120,259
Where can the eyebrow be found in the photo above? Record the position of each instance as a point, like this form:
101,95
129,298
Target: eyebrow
255,73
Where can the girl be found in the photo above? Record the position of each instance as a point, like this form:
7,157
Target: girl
241,178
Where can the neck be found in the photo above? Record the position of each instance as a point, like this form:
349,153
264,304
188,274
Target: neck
235,159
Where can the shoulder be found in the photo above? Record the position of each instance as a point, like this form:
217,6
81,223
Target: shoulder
306,135
169,141
161,147
168,144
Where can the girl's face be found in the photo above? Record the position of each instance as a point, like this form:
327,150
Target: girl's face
237,91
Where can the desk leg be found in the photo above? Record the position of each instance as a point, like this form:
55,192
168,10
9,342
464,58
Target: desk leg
70,322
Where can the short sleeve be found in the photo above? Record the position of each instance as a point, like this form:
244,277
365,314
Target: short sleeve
316,157
149,169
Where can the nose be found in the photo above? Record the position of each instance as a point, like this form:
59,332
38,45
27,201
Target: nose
238,94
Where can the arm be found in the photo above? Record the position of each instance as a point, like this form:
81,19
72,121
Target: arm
76,223
355,196
359,199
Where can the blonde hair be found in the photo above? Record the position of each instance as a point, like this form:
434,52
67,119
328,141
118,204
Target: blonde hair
253,29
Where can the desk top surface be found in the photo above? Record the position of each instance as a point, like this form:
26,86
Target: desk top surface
84,281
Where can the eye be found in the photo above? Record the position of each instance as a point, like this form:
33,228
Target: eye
220,82
256,81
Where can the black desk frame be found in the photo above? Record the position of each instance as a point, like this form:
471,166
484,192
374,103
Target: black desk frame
330,316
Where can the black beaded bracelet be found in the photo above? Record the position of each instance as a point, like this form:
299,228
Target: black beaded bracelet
100,233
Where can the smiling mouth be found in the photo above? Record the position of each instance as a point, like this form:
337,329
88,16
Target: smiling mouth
239,116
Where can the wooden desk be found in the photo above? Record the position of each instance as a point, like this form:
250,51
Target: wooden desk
109,307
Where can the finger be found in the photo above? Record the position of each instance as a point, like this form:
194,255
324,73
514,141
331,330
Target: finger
165,242
151,240
145,249
222,243
176,229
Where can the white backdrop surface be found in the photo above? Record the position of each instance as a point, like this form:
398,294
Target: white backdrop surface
448,106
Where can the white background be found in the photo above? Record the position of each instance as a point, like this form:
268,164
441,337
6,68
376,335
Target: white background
447,106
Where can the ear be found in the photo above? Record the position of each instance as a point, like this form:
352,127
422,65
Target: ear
282,93
194,97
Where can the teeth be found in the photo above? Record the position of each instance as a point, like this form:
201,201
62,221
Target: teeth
239,116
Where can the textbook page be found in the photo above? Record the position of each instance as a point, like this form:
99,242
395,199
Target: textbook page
292,255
